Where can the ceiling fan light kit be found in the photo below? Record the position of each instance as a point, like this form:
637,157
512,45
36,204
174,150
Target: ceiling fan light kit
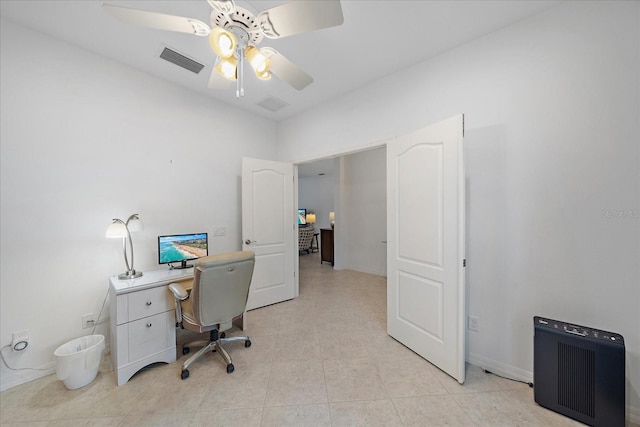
264,76
227,68
258,61
222,42
235,33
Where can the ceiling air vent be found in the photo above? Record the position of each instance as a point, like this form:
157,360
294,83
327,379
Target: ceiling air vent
180,60
272,104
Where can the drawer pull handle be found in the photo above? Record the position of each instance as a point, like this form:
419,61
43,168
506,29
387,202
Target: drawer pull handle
149,325
148,302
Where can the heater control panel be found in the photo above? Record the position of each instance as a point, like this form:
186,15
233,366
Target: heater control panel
582,331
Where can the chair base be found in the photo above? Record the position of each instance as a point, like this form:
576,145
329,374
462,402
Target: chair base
214,344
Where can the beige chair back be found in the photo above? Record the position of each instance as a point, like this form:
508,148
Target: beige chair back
221,286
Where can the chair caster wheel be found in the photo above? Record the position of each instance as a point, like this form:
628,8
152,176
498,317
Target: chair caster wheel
184,374
247,343
230,368
223,335
185,350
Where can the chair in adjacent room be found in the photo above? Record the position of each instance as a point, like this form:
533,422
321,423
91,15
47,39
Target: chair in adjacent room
305,236
217,298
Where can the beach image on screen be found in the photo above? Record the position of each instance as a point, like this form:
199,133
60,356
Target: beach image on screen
178,248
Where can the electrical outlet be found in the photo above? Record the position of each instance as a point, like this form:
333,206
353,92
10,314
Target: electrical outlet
474,323
88,321
220,231
20,341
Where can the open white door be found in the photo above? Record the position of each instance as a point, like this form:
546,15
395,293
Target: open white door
425,252
267,229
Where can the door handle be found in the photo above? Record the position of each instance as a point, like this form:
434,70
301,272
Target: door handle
248,242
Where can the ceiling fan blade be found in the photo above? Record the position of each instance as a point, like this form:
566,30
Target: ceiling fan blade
223,6
158,21
300,17
217,81
287,70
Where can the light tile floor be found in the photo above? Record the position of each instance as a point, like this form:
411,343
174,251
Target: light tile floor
323,359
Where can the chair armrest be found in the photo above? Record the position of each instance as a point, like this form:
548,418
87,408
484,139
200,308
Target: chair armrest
178,291
179,294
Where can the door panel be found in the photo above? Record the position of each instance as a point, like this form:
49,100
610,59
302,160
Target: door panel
420,207
425,251
413,291
267,229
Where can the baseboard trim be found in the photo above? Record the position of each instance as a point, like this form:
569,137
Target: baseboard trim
500,368
507,371
634,415
21,377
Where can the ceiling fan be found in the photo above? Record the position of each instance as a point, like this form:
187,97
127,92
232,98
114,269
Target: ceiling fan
235,32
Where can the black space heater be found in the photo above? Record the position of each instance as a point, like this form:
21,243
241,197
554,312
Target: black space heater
579,372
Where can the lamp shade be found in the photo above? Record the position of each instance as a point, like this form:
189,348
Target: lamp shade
311,218
332,216
258,61
264,76
227,68
222,42
116,230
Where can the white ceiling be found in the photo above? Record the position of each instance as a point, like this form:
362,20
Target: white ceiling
377,38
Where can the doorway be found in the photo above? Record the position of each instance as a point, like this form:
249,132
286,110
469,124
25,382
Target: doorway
426,287
353,186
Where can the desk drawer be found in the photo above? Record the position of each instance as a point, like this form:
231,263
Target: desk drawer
151,335
148,302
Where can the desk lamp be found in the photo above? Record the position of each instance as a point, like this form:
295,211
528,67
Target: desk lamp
120,229
332,219
311,218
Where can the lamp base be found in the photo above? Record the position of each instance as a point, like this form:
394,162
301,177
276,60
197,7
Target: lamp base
130,275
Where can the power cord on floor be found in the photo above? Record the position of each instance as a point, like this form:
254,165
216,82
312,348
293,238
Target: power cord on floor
18,369
507,378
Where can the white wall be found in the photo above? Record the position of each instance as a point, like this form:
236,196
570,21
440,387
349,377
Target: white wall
315,194
552,108
362,223
85,140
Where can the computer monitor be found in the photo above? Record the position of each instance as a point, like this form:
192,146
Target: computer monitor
180,248
302,216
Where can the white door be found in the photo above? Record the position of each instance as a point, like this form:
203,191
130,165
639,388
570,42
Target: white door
425,250
268,221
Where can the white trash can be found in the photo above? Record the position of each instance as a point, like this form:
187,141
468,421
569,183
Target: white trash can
78,360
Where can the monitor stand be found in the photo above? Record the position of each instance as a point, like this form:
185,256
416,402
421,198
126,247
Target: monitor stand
183,264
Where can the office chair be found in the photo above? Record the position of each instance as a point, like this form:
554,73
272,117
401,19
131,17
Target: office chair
218,296
305,237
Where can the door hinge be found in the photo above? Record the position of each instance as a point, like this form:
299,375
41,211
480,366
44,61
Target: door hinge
464,262
463,125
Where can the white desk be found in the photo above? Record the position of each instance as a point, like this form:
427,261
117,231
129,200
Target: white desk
143,321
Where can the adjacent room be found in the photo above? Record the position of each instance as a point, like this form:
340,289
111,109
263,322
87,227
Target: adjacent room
108,117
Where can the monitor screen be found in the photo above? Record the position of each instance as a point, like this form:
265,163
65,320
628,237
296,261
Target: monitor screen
302,216
180,248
